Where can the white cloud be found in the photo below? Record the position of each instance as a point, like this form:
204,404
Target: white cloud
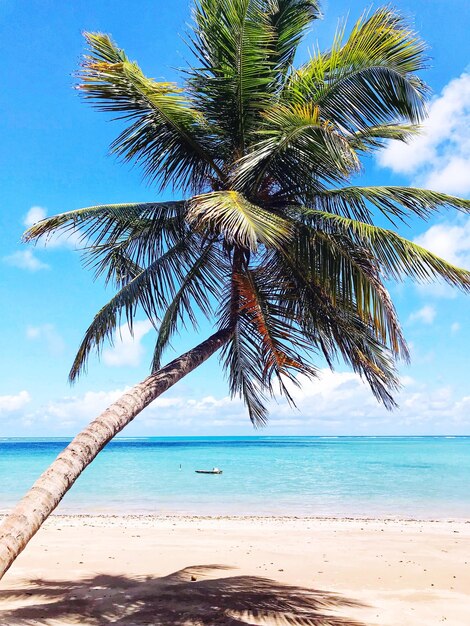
451,177
127,348
439,158
73,410
336,403
9,404
426,315
25,260
341,402
449,240
34,215
455,327
47,333
170,409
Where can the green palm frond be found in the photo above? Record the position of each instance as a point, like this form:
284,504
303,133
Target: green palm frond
367,79
350,275
233,42
143,243
114,264
240,359
289,20
267,343
71,220
152,289
140,232
392,201
167,135
375,137
396,256
240,355
201,282
264,310
241,223
295,147
333,326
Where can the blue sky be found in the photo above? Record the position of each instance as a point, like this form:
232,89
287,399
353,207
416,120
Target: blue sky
54,158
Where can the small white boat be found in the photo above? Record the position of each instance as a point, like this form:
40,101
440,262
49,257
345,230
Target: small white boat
214,470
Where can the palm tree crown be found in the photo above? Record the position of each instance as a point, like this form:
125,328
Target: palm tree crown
271,240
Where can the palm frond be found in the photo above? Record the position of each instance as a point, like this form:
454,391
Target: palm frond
233,42
289,21
240,222
114,264
296,148
392,201
369,79
375,137
264,310
149,225
266,344
200,284
350,275
167,135
152,289
335,326
240,356
396,256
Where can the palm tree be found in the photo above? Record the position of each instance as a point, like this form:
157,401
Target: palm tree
270,241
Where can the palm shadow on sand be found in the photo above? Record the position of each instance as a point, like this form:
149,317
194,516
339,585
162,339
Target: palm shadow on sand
174,600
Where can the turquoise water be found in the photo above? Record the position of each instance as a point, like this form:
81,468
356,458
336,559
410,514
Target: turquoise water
404,476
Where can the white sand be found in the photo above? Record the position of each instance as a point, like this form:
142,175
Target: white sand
134,570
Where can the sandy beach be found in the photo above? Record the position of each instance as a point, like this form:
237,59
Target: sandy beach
133,570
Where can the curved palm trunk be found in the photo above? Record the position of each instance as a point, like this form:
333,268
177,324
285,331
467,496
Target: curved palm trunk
46,493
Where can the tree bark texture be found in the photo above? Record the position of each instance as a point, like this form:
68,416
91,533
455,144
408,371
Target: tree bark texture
46,493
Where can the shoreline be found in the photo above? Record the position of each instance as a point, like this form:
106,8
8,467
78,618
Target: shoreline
159,517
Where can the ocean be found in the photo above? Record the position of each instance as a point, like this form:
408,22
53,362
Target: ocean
418,477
